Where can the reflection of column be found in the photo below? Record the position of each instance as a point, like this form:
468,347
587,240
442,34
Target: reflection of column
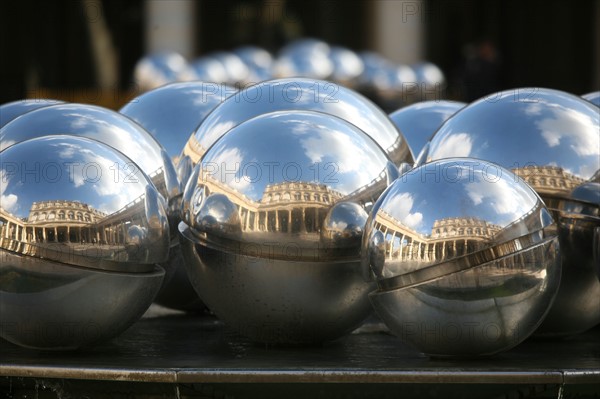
276,220
44,234
303,221
465,248
256,217
392,244
247,221
55,234
289,223
68,234
401,247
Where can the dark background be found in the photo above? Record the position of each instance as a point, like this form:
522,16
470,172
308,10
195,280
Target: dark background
549,43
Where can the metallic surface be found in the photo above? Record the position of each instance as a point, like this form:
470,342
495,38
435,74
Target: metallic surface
272,220
72,200
550,139
299,94
104,125
307,58
465,265
10,111
418,122
259,62
171,113
593,97
54,306
347,66
155,70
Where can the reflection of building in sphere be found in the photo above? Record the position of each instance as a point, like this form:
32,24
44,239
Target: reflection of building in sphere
60,225
548,179
449,237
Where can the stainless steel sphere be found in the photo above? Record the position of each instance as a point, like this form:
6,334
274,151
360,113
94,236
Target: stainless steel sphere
80,237
12,110
299,94
105,126
208,69
259,62
273,216
308,58
418,122
347,66
171,113
593,97
158,69
550,139
466,258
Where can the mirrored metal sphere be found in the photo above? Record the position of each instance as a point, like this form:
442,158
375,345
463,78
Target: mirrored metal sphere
171,113
418,122
593,97
100,124
158,69
208,69
237,71
308,58
80,237
299,94
259,62
466,258
12,110
550,139
272,219
347,66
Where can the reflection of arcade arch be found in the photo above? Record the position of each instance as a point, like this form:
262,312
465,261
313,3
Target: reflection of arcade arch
289,207
54,224
449,238
548,179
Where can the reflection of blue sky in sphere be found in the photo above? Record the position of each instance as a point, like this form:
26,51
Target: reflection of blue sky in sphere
172,113
67,168
297,94
418,122
525,127
458,188
300,146
88,121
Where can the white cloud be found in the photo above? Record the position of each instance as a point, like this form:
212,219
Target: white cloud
10,202
401,206
454,145
568,124
502,197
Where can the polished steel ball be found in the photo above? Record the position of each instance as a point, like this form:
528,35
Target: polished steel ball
593,97
208,69
158,69
259,62
171,113
12,110
80,237
347,66
550,139
418,122
106,126
299,94
237,71
272,221
466,258
308,58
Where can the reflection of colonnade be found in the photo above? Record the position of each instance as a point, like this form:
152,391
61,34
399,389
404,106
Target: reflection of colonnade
548,179
449,238
70,222
289,207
